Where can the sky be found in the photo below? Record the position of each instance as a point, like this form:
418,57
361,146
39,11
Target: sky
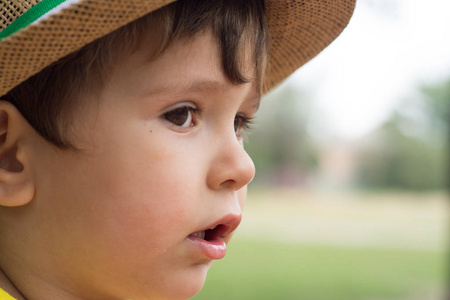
388,50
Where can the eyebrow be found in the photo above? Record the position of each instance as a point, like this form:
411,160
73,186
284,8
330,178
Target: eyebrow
202,86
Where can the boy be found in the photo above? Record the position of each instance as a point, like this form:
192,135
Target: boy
122,171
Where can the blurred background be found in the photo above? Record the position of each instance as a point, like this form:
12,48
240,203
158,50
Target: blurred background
350,198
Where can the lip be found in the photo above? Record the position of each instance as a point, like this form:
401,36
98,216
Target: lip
214,245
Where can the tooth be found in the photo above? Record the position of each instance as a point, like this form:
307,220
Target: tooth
200,234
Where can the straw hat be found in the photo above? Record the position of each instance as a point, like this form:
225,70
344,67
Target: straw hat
36,33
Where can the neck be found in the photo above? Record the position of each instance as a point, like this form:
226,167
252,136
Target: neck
9,287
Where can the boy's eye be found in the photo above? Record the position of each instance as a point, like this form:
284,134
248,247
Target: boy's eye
181,116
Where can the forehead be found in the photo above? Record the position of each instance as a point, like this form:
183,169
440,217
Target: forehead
239,59
189,64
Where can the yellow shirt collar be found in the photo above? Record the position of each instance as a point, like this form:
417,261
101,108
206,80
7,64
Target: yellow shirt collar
5,296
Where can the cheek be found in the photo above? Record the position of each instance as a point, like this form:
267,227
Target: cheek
148,193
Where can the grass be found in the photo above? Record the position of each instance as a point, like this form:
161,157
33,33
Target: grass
315,246
256,269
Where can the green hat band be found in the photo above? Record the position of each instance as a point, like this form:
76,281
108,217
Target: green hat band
32,15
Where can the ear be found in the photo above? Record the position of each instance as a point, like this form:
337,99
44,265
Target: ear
16,184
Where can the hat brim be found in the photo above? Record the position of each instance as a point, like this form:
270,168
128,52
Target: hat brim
299,30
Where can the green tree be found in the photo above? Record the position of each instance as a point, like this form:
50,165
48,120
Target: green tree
279,144
410,150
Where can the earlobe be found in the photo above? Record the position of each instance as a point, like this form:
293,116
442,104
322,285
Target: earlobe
16,182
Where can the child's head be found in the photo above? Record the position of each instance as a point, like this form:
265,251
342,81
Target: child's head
122,171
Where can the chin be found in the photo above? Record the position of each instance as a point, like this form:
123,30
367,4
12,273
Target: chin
189,285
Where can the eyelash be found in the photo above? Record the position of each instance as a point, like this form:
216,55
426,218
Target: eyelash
245,123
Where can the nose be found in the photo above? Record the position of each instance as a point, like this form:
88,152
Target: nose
231,167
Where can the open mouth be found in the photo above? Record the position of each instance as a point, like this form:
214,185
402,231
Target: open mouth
211,234
212,242
219,230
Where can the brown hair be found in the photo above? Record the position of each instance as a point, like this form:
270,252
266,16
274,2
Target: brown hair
47,100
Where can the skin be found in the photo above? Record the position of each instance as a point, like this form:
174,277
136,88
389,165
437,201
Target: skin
111,221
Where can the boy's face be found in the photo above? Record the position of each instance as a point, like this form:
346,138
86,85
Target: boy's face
161,160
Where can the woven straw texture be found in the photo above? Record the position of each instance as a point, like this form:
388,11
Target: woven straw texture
10,12
299,30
